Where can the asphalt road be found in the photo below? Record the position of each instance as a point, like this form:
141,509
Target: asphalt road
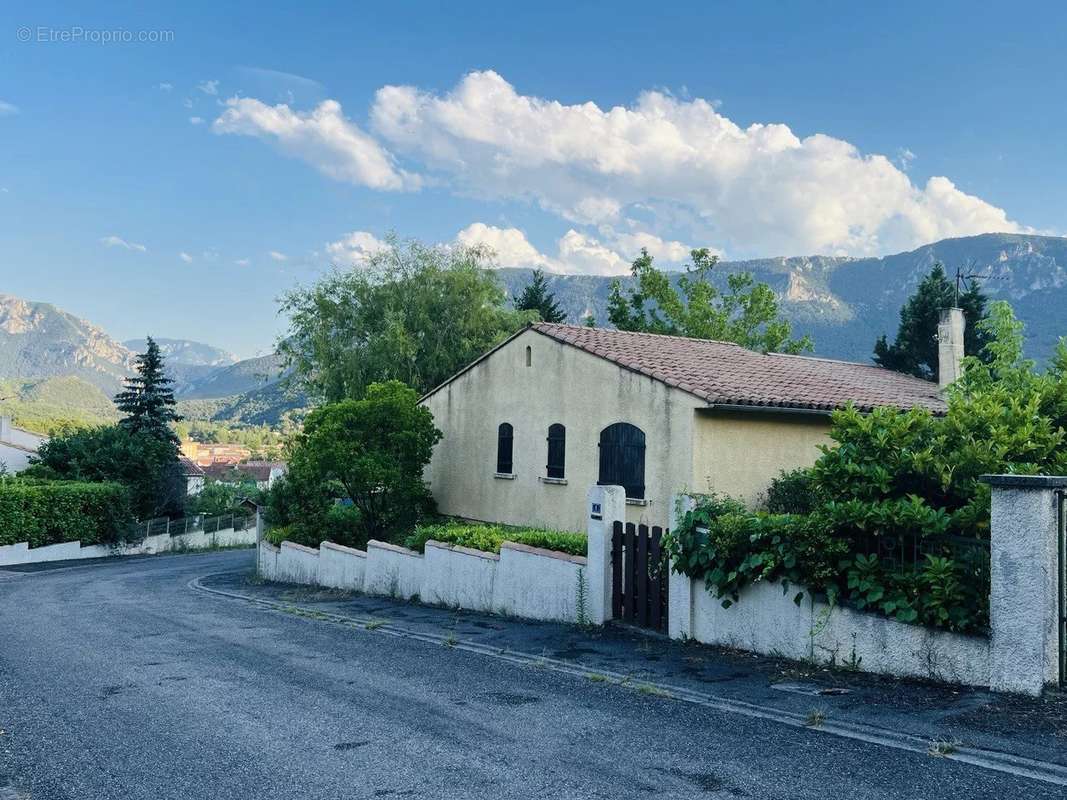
118,680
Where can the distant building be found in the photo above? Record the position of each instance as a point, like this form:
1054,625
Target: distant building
17,445
206,454
262,473
194,476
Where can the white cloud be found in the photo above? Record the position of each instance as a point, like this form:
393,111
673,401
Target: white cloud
277,256
243,262
165,87
118,241
209,87
187,102
188,259
576,252
756,190
8,109
510,245
353,249
323,137
196,120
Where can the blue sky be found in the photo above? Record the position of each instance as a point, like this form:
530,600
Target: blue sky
145,185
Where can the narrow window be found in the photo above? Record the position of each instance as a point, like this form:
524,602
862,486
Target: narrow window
557,451
529,356
504,438
622,459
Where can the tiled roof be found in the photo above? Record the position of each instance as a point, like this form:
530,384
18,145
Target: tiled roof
727,374
190,468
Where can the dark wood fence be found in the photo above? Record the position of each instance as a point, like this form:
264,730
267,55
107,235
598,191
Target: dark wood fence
638,575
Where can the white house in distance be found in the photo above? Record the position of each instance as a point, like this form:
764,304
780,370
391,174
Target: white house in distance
194,476
530,425
17,445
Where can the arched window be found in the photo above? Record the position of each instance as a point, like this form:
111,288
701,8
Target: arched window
622,458
529,356
557,451
504,439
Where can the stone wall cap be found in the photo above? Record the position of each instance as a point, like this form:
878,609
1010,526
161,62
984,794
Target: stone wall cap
458,548
395,548
540,551
342,549
1026,481
295,546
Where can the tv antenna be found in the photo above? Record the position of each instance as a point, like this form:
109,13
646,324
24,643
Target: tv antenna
967,274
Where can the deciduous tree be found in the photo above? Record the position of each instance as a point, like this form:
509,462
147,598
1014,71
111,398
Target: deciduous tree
413,313
746,314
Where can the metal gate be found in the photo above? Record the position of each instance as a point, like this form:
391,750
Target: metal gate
1061,496
638,575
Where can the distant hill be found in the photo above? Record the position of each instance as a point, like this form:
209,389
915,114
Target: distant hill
184,351
252,374
44,404
39,340
846,303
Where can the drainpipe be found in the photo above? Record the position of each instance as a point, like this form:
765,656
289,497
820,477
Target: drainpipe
949,345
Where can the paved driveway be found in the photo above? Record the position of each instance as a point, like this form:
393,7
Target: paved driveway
118,680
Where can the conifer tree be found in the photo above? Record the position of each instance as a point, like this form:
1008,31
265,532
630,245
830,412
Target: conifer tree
148,401
536,297
914,352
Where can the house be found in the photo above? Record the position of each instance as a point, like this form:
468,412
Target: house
262,473
530,425
194,476
17,445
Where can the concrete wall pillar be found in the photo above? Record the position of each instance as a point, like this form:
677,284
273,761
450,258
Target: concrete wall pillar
679,586
1024,593
604,505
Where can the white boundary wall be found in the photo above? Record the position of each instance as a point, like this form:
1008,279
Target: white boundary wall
522,581
22,553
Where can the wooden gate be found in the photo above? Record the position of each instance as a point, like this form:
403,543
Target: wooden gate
638,575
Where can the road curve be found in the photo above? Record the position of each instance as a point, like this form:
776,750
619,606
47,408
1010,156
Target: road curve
117,680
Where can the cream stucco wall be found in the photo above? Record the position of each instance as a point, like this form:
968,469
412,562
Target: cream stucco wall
738,453
565,385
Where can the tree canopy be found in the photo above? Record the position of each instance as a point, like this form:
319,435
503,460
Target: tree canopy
914,351
537,297
413,313
148,401
374,451
747,313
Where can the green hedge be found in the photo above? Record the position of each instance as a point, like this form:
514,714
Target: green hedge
490,537
50,512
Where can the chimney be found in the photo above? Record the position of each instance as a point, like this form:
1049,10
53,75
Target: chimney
5,429
949,345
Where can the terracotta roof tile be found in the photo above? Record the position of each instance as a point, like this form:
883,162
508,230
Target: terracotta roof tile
727,374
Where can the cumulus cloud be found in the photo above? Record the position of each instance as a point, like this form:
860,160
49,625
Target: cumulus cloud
277,256
576,252
188,259
761,189
8,109
355,248
118,241
165,87
196,120
323,137
209,87
243,262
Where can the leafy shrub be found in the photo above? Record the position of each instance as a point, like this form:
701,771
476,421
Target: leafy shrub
372,452
339,524
49,512
147,466
792,492
489,537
